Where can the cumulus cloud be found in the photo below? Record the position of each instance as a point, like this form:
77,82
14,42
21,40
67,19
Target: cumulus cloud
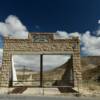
75,34
98,21
13,28
61,35
90,43
65,35
52,61
33,61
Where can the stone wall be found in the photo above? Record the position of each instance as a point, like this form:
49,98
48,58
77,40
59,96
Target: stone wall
53,46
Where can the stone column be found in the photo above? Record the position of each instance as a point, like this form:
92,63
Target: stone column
77,67
6,64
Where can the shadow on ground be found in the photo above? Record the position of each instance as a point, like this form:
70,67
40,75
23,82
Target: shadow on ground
67,90
19,89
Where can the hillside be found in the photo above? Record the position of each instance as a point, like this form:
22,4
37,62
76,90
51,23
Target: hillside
91,67
89,62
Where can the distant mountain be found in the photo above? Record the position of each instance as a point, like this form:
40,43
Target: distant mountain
91,67
25,70
90,60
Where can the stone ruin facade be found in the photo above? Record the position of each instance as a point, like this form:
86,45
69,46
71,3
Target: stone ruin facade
40,43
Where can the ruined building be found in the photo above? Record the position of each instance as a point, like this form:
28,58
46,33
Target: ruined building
41,43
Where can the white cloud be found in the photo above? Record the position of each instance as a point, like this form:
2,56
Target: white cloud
90,43
53,61
33,61
61,35
64,35
26,60
98,21
98,32
13,27
75,34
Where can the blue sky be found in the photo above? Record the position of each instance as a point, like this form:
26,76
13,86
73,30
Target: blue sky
62,16
52,15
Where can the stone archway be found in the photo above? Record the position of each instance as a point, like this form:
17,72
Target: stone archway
40,43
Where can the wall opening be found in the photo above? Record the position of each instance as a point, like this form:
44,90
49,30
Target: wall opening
57,71
24,68
42,70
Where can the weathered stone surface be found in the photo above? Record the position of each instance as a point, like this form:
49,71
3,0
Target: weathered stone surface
53,46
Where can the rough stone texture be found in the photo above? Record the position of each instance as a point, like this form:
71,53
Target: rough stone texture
53,46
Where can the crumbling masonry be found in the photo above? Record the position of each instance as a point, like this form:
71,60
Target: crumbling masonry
40,43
